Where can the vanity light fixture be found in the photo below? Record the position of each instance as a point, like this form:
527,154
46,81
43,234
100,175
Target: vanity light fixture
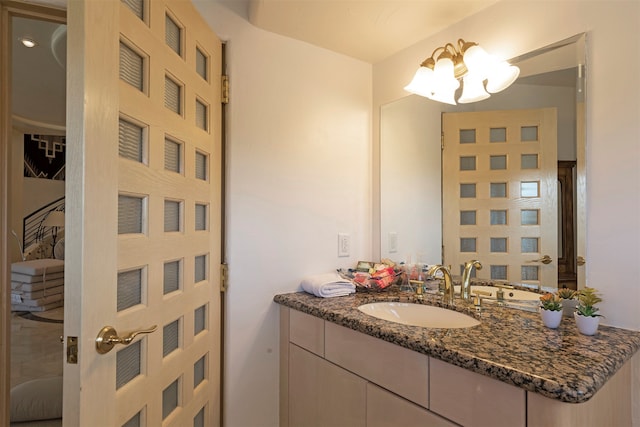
28,42
438,78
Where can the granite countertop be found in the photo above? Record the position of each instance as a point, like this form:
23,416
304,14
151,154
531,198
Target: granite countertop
510,345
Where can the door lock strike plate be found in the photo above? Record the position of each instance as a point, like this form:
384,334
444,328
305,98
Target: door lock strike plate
72,350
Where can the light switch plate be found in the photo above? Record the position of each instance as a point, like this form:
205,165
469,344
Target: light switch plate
344,244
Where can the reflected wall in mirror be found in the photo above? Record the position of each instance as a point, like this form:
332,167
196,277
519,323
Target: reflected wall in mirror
412,176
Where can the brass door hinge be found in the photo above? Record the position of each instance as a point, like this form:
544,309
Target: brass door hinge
225,89
442,141
224,277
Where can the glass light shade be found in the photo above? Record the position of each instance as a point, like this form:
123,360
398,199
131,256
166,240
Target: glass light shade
501,77
478,61
444,75
422,83
445,84
472,89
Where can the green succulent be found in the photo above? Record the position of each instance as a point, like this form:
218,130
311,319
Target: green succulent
587,299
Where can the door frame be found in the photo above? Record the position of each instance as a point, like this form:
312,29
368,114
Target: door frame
10,9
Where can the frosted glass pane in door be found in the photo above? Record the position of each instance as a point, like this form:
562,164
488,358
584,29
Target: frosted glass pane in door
498,189
136,6
198,420
128,363
171,279
498,162
467,190
498,217
129,215
172,96
131,67
468,163
172,156
467,244
171,216
529,272
497,135
130,141
529,244
201,217
170,337
201,64
467,217
529,161
173,35
199,320
467,136
199,371
169,399
134,421
201,115
129,289
499,272
529,133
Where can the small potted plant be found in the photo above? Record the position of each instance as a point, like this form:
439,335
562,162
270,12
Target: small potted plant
551,310
586,314
569,301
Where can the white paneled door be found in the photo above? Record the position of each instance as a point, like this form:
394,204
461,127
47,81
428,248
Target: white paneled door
143,215
500,194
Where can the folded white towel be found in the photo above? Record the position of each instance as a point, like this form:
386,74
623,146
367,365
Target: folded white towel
328,285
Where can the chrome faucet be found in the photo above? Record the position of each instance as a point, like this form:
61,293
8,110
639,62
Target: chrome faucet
448,284
465,286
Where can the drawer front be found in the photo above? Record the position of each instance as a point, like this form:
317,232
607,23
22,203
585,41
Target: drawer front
322,394
307,332
395,368
385,409
472,399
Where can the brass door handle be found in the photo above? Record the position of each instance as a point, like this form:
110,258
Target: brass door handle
108,337
546,259
580,260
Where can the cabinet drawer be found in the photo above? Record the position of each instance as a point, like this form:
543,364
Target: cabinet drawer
307,332
322,394
395,368
385,409
472,399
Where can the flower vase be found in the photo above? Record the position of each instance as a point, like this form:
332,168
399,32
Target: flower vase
587,325
569,307
551,318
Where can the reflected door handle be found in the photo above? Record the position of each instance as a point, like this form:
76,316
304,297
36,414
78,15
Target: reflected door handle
108,337
581,261
546,259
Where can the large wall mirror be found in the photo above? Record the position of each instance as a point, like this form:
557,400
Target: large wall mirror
416,191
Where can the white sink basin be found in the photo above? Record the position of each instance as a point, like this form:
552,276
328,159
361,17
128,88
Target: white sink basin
418,315
509,294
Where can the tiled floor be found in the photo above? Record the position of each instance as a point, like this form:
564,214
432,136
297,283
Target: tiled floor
36,350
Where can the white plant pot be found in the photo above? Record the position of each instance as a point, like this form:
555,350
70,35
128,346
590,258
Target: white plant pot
551,318
587,325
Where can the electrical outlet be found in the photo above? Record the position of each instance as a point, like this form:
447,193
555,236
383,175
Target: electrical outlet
393,242
344,244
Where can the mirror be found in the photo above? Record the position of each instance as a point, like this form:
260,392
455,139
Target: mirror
411,176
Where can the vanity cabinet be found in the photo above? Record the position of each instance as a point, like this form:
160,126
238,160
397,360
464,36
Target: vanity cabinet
331,375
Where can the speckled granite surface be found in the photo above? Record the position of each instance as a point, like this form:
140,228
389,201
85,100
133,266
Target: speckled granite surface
510,345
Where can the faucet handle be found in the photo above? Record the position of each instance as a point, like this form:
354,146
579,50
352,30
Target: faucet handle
477,299
497,285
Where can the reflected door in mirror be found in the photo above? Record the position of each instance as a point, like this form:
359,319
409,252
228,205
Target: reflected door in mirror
500,194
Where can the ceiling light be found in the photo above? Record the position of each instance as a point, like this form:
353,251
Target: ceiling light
438,77
28,42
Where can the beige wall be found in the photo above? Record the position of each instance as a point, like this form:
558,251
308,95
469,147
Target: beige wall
299,162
